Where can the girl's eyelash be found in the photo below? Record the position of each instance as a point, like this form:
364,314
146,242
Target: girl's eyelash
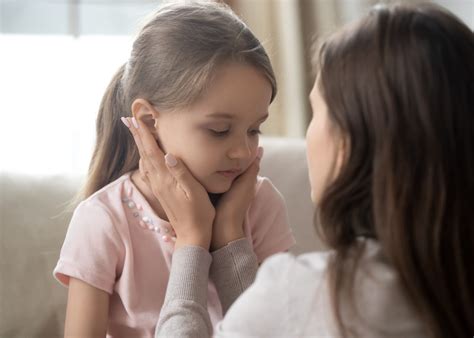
225,132
219,133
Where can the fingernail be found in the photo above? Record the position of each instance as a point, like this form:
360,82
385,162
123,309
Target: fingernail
125,122
135,123
170,160
260,152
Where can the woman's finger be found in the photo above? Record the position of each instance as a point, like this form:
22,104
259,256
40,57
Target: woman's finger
136,137
146,168
181,174
147,146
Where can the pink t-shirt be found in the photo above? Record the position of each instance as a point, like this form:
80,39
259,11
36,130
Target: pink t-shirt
114,243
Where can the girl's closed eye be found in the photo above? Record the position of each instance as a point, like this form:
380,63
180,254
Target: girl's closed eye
219,132
216,129
255,132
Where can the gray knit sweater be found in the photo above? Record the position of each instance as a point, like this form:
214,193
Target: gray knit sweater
290,297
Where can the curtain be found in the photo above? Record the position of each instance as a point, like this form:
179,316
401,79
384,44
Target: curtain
287,29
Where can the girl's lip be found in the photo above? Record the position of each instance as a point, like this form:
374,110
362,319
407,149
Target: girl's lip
229,173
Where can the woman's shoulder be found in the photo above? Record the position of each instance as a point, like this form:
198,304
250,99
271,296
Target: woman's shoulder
288,289
285,268
291,297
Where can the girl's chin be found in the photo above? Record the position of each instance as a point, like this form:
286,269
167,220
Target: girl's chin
217,188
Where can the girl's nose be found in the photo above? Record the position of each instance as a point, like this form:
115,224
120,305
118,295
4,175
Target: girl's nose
240,150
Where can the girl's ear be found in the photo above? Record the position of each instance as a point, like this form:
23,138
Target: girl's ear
147,114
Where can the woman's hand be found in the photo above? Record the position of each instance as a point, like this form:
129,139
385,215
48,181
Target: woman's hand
183,198
233,206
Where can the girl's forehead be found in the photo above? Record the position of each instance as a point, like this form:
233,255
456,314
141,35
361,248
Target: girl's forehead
209,115
236,93
252,116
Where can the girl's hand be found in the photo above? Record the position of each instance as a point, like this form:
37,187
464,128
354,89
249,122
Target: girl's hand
183,198
233,205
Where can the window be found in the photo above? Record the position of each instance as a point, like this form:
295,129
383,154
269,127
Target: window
73,17
57,57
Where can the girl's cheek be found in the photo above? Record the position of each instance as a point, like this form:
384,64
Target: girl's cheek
255,148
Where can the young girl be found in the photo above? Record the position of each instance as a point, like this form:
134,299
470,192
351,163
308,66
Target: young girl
200,82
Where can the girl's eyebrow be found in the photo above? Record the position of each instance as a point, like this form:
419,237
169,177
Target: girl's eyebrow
221,115
230,116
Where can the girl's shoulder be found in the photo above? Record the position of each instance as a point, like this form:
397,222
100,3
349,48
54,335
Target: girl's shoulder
114,188
103,210
110,197
267,195
265,186
94,247
267,222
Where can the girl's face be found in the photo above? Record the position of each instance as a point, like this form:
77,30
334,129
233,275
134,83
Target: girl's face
323,147
217,137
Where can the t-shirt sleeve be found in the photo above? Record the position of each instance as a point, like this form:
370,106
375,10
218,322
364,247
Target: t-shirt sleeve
268,221
92,248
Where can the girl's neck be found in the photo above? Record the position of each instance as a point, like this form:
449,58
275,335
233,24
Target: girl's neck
142,186
144,189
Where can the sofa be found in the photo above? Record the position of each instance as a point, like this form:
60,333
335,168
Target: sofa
34,221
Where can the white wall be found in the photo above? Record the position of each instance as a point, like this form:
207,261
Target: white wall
50,90
462,8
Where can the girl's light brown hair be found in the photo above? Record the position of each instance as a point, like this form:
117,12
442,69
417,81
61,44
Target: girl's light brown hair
172,62
399,85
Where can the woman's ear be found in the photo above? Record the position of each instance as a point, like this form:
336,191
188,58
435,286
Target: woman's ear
147,114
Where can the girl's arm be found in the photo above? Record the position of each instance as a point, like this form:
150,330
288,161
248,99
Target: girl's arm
87,310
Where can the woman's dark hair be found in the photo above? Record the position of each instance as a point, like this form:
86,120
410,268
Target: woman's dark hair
399,86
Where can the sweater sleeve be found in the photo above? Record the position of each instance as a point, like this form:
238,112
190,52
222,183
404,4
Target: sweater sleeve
184,312
233,270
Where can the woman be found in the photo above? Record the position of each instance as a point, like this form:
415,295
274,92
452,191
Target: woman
391,165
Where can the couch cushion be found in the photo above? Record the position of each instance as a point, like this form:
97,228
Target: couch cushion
33,226
284,162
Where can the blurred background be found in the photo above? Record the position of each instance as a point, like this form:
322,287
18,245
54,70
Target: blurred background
57,57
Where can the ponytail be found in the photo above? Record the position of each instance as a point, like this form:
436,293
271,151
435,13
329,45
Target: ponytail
115,152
